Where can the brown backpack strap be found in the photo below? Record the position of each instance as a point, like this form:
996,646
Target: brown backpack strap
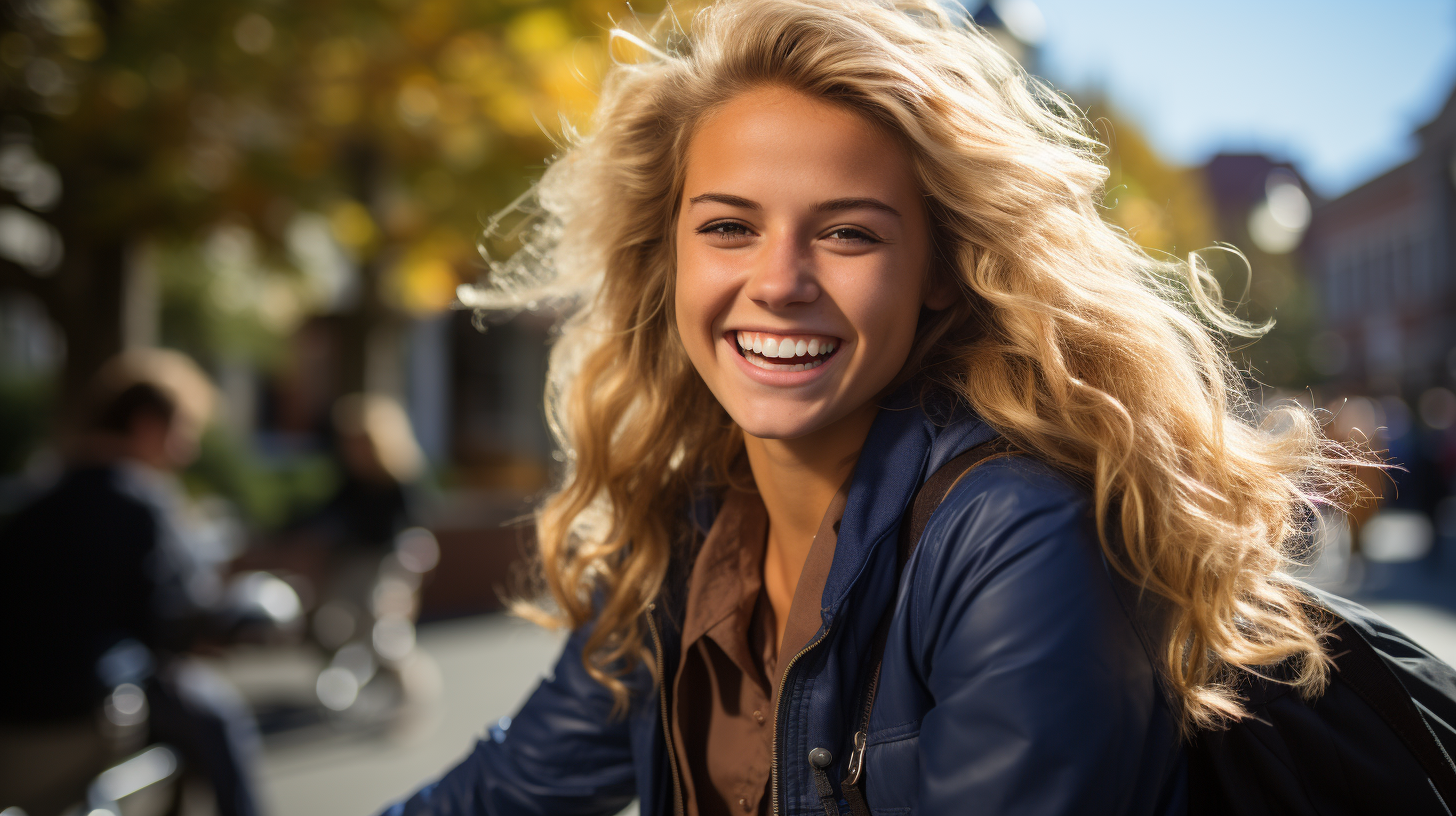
938,486
927,498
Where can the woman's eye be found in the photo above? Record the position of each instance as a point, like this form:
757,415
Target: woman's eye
724,229
853,236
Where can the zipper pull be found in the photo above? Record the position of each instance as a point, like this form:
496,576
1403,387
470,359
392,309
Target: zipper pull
856,758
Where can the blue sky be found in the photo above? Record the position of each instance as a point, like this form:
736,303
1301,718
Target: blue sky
1336,86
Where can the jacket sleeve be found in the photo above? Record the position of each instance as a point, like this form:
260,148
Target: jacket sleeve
563,753
1045,701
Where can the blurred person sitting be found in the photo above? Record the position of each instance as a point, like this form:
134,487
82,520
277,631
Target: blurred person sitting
101,585
381,461
356,527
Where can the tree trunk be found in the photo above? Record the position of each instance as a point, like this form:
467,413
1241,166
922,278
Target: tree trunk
365,169
89,307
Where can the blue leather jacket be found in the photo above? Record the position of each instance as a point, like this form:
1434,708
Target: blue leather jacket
1014,680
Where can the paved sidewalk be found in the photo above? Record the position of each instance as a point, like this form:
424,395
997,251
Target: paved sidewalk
486,667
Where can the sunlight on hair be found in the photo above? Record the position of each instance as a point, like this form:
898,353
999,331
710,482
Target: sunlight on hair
1070,339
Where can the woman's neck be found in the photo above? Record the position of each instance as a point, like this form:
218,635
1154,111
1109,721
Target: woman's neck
797,479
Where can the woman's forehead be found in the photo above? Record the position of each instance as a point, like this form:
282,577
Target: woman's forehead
773,140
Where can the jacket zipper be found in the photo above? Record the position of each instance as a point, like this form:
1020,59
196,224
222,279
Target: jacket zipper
677,803
778,701
855,766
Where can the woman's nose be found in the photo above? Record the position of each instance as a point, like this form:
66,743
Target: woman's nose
783,274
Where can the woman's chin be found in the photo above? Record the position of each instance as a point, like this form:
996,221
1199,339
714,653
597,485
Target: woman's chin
783,419
769,426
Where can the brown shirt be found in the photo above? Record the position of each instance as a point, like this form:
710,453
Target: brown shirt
727,684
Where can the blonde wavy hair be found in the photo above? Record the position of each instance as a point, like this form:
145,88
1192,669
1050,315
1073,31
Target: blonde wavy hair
1067,337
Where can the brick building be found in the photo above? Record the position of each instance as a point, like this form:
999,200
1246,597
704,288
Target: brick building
1382,259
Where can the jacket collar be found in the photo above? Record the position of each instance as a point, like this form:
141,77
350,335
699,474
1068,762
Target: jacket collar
916,432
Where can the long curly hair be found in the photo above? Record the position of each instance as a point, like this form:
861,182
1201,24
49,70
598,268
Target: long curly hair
1066,336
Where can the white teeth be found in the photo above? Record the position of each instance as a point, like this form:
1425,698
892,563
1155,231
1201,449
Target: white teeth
771,347
766,365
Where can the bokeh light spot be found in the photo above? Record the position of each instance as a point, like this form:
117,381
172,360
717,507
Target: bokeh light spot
253,34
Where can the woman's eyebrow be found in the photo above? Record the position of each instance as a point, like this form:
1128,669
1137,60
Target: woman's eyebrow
855,204
833,205
724,198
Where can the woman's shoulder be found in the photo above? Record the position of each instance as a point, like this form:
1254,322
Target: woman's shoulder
1013,547
1007,507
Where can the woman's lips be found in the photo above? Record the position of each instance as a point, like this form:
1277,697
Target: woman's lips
784,352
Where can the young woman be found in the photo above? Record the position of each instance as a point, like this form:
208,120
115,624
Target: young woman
816,253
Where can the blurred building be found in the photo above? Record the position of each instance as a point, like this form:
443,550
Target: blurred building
1381,256
1248,192
1262,206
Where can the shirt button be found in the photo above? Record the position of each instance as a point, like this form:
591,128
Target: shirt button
743,803
758,715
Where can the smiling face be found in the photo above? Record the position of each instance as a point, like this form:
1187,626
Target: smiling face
802,257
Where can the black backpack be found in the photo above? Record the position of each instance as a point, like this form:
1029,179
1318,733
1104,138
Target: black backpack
1379,740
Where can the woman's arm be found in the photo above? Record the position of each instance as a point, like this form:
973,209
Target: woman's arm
1045,701
563,754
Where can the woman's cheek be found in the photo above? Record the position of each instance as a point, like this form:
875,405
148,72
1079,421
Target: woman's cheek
694,312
